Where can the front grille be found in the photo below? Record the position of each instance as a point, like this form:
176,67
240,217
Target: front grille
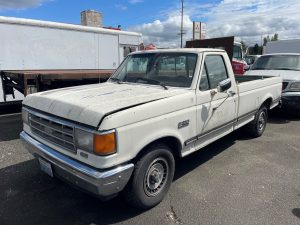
284,85
53,131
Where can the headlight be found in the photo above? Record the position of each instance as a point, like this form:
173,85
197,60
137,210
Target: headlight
25,115
100,144
84,140
295,86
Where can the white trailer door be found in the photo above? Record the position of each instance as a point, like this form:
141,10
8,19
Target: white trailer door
108,51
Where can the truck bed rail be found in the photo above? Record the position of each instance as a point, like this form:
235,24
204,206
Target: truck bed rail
247,78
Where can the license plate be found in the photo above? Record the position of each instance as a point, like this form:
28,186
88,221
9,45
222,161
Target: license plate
46,167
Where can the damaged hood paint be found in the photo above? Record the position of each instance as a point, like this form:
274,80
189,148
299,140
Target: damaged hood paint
88,104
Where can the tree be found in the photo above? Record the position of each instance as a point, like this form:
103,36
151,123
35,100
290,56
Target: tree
275,37
244,46
255,49
268,38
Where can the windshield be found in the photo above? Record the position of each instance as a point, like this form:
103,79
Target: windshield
277,62
166,69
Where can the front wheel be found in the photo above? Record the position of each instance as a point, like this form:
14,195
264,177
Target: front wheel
151,178
257,127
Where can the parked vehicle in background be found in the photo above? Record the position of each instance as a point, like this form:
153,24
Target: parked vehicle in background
283,46
39,55
286,66
233,49
124,135
250,59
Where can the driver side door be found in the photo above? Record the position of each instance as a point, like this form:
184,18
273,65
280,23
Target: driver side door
216,111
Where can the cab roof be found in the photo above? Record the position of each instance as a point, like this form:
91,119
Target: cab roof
180,50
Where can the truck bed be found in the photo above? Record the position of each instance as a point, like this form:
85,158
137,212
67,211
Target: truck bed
253,90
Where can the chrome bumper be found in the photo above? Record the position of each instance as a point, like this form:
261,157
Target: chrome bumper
101,183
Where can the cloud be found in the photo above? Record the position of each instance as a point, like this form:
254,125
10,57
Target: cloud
19,4
135,1
164,33
248,20
251,19
121,6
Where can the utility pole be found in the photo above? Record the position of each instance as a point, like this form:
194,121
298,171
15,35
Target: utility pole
181,29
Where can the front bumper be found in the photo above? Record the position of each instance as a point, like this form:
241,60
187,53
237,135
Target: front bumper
291,100
100,183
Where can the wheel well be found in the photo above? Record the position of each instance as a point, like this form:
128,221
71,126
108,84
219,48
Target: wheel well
172,142
268,103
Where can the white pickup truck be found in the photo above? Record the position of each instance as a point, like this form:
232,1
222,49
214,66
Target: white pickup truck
123,135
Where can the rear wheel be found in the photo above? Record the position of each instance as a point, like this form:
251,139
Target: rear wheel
257,127
152,177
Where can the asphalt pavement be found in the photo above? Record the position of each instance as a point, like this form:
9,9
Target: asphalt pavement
236,180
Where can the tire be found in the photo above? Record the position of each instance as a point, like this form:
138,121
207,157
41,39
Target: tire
152,177
257,127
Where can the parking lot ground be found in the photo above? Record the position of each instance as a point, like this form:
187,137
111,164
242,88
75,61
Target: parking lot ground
236,180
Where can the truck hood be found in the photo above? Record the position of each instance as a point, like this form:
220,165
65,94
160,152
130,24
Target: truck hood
88,104
284,74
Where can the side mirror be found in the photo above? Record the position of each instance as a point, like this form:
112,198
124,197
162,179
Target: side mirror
224,85
247,67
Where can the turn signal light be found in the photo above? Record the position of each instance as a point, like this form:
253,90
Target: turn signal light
105,144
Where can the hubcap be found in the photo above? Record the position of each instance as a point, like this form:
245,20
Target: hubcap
262,121
156,177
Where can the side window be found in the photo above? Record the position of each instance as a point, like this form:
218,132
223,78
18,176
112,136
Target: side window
215,69
204,84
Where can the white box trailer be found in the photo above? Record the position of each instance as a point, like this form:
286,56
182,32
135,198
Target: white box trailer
39,55
283,46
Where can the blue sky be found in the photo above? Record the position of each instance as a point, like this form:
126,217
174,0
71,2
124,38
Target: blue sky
159,21
124,12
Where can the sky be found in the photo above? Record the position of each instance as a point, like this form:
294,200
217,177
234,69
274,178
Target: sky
159,21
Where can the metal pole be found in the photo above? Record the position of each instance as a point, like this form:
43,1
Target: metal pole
181,30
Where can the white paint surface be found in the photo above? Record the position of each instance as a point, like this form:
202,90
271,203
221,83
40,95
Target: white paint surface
283,46
39,45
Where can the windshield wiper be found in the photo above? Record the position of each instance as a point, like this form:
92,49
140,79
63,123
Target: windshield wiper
164,86
114,79
153,82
